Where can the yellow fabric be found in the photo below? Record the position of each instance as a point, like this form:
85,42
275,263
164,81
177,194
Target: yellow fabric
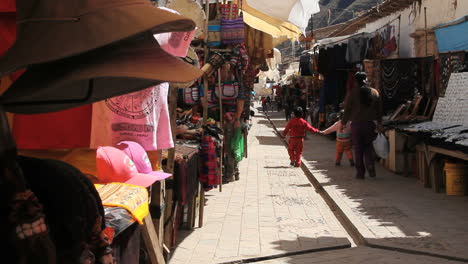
268,24
131,197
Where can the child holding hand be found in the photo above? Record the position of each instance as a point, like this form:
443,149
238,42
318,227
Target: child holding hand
297,128
343,141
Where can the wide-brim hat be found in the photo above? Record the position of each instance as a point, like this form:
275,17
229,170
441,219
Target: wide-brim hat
50,30
191,9
191,58
122,68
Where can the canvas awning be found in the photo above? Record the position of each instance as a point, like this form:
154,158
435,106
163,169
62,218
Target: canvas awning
269,25
452,36
295,12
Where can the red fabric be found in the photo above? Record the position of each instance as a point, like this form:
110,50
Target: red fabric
297,127
295,149
61,130
7,31
7,6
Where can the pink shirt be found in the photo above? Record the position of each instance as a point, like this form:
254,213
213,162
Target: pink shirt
342,134
142,117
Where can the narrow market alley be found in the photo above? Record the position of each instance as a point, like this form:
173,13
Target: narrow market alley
273,214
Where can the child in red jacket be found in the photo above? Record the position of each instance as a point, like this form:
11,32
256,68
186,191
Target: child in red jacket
297,126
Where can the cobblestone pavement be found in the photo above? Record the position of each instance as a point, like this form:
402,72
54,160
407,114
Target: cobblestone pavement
390,210
273,209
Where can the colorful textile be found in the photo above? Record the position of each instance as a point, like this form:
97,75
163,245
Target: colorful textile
240,58
232,30
209,169
142,117
131,197
229,11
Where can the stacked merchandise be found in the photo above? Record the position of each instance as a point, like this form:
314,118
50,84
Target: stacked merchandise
72,65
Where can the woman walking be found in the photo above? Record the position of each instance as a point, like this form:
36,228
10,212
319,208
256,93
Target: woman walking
363,108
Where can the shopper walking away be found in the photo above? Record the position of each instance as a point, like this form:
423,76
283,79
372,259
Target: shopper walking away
343,141
363,107
297,128
288,106
268,102
264,104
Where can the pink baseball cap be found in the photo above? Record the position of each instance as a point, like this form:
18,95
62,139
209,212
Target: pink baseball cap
138,155
113,165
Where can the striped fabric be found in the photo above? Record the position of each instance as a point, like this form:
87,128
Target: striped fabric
131,197
232,30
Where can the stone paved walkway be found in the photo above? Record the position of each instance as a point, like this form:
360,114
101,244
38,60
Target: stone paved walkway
358,255
272,209
390,210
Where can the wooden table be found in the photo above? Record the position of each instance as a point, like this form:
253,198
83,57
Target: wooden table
430,167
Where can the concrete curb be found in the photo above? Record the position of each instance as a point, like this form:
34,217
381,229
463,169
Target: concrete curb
352,230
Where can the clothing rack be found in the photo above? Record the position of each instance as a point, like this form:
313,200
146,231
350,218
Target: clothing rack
367,33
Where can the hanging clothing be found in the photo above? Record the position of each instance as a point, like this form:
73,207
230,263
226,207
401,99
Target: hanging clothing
401,78
142,117
357,49
209,170
60,130
305,65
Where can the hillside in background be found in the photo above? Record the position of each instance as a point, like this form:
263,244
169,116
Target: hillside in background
337,11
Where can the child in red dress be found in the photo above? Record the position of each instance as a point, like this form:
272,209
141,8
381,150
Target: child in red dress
297,127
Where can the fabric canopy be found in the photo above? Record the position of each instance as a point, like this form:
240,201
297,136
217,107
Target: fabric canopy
296,12
452,36
268,24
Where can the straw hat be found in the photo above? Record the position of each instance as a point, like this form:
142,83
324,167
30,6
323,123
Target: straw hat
113,70
192,10
191,58
49,30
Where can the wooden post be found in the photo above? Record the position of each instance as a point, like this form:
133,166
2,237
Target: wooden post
425,27
169,210
221,120
399,31
205,78
205,108
152,242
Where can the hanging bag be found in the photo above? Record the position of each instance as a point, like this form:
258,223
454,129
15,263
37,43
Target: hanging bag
191,95
214,28
381,146
229,91
232,28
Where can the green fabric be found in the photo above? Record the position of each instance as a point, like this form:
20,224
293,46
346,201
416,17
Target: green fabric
237,144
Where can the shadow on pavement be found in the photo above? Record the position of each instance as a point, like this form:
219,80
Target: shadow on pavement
390,210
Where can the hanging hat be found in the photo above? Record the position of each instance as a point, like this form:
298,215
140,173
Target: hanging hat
113,165
49,30
191,58
139,156
113,70
192,10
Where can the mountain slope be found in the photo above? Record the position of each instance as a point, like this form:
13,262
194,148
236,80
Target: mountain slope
337,11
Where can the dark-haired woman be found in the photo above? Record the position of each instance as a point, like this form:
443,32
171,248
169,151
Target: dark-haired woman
363,108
